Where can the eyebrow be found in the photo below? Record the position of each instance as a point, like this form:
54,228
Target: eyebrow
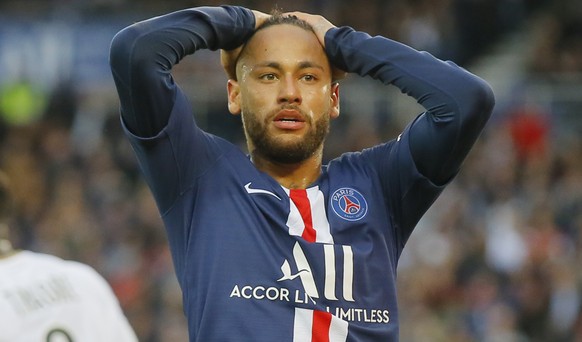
302,65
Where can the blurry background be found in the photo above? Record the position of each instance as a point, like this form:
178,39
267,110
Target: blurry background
497,258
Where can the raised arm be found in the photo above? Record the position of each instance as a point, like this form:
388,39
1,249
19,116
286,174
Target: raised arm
143,54
457,103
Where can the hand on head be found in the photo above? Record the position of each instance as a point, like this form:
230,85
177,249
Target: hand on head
228,58
320,26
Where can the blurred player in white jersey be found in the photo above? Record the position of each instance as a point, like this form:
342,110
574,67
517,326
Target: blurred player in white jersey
45,298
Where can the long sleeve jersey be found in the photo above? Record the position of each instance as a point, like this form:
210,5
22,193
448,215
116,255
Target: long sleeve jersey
247,268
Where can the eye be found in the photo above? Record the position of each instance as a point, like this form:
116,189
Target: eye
309,78
268,77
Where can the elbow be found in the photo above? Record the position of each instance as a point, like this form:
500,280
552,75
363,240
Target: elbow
479,98
485,96
120,48
124,48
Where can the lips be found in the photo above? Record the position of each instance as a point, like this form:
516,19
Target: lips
289,115
289,119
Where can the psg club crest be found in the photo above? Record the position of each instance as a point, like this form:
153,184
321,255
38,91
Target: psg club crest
349,204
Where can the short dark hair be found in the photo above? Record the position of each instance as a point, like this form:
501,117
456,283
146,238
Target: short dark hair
278,18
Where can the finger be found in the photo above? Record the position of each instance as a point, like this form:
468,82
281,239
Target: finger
228,59
319,24
260,18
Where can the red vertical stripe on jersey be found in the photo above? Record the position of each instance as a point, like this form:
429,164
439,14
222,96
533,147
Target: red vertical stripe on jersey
299,197
321,325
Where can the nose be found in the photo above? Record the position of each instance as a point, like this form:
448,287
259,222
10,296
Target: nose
289,92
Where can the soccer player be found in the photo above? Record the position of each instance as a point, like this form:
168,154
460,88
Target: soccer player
273,245
45,298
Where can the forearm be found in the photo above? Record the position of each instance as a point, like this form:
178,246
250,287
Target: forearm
143,54
457,102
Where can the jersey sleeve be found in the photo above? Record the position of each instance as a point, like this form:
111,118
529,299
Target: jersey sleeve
157,116
457,103
143,54
415,167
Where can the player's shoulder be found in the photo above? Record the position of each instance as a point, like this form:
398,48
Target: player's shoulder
364,158
41,261
52,263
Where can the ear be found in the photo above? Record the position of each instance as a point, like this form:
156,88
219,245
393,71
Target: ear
233,89
335,100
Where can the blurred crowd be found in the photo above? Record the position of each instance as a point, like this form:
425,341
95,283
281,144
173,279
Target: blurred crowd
498,256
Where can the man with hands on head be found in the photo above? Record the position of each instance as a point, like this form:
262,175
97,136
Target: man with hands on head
273,245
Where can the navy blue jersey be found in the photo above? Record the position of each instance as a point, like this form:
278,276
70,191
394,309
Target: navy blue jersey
257,261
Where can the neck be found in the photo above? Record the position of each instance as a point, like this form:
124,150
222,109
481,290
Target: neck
292,176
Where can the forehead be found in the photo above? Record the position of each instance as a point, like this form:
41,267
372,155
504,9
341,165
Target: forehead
284,42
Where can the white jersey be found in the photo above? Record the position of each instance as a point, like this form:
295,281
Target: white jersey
45,298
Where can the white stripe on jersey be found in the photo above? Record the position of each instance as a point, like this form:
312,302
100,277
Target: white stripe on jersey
318,216
307,328
302,325
338,330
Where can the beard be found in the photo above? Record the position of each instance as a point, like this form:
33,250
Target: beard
276,148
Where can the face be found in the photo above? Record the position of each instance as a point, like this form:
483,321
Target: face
284,94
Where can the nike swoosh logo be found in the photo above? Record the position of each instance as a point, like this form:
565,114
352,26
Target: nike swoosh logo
259,191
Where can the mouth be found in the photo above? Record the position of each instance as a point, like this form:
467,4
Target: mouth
289,119
289,115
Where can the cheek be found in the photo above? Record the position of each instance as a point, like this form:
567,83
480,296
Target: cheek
319,99
254,105
248,100
255,97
